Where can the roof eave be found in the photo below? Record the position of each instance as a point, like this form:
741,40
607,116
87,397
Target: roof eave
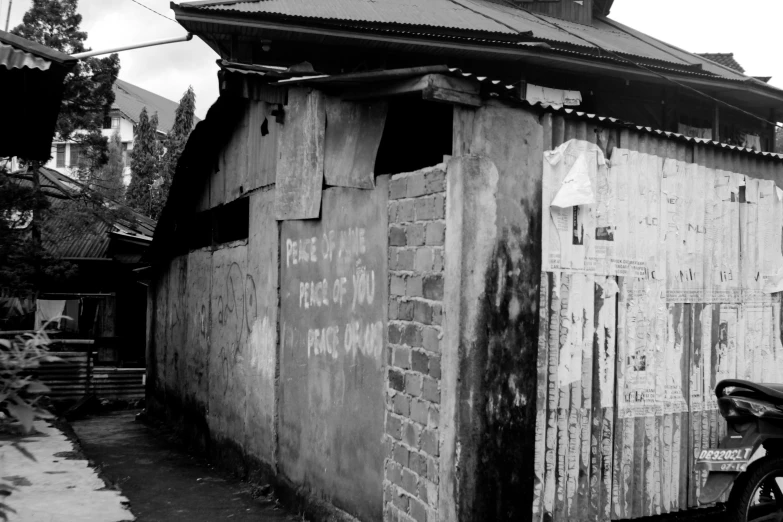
186,14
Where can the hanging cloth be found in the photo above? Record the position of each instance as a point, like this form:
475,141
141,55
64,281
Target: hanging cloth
48,309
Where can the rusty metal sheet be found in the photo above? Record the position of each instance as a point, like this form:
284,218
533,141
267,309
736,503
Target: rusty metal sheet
353,134
333,314
300,164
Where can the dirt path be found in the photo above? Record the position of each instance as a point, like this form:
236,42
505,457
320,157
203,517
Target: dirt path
163,482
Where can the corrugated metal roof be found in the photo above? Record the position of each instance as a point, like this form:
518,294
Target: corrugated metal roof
37,50
475,17
65,235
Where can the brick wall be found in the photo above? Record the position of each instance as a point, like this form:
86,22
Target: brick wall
416,235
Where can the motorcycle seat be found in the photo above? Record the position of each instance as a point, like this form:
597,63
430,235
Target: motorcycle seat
770,390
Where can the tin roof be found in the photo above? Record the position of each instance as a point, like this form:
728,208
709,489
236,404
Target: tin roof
493,22
66,237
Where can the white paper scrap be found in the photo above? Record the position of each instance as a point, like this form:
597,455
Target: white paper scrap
575,189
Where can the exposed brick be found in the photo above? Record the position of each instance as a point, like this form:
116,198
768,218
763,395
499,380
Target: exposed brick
395,334
437,263
434,421
417,185
430,340
402,405
434,366
401,454
412,336
436,233
417,463
437,314
402,357
420,362
429,442
418,510
389,355
398,188
413,384
433,470
397,285
424,260
406,211
423,491
433,287
396,380
401,501
422,312
394,472
429,208
432,492
394,309
436,181
406,310
429,390
393,205
414,286
388,447
415,234
419,411
410,482
397,236
410,434
406,259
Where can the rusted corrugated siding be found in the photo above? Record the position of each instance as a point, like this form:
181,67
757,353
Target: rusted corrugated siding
634,466
74,376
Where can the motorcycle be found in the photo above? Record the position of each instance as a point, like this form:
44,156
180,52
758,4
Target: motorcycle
750,456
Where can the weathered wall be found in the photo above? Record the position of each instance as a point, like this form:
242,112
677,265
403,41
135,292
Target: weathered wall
490,306
215,339
333,328
416,235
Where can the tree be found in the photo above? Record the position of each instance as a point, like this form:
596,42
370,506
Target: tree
109,179
174,144
87,93
145,163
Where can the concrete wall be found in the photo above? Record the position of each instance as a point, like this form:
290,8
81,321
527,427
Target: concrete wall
214,335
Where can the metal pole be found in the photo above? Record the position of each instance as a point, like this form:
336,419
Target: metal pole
8,17
133,46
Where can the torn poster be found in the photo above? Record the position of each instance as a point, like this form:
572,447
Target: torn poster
641,341
568,233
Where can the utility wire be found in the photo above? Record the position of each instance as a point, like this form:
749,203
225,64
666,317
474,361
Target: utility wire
622,58
154,11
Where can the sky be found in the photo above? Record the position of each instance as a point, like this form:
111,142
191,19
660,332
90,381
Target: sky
718,26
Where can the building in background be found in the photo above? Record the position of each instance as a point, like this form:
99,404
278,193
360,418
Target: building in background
129,100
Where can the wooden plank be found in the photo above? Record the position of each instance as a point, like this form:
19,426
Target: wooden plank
542,386
435,87
462,134
234,158
353,134
217,183
262,131
300,167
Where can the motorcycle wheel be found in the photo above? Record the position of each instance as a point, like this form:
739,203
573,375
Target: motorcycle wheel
757,495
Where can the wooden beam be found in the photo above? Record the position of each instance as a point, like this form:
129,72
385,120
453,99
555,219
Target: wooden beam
435,87
716,124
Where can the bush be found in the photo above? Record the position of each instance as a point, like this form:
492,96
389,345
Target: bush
20,391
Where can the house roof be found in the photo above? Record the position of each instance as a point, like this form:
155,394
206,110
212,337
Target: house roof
489,22
726,59
13,48
130,99
65,237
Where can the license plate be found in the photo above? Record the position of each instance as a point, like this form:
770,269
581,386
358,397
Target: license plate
734,459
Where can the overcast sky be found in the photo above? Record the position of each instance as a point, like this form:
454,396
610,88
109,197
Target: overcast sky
747,29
